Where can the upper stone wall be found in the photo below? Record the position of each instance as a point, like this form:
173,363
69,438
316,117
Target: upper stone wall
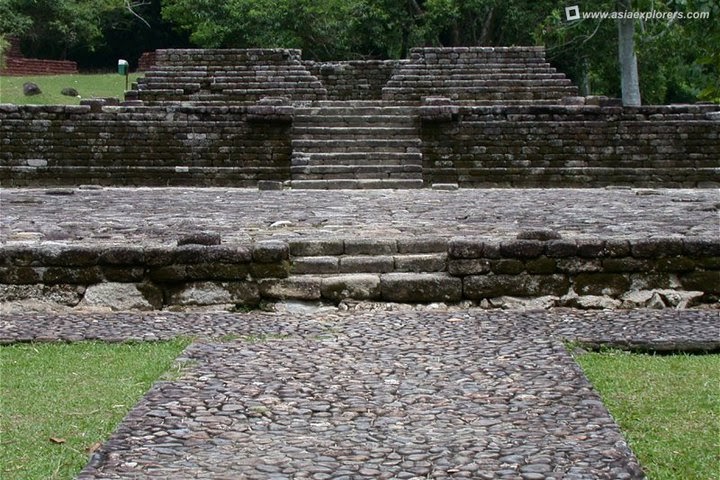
480,75
354,80
229,76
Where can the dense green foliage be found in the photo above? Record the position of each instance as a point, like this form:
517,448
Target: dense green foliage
679,60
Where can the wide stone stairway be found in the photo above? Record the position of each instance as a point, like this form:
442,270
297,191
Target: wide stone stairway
359,144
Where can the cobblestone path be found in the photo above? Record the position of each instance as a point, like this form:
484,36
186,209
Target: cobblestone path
466,394
161,215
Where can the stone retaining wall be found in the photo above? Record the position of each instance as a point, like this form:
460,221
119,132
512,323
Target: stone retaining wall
354,80
153,146
571,146
573,272
501,146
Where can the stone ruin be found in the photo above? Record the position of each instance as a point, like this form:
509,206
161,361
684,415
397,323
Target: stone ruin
468,117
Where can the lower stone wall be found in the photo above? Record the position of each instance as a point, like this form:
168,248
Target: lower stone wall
177,145
571,146
590,273
16,66
354,80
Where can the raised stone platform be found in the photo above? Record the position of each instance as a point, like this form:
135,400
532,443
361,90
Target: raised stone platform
137,249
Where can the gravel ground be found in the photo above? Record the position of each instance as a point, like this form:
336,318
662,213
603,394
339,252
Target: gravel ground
161,215
466,394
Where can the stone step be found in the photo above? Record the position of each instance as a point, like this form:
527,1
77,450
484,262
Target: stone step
348,110
355,171
356,184
354,264
543,83
230,70
350,133
357,157
355,120
508,76
413,68
367,146
404,287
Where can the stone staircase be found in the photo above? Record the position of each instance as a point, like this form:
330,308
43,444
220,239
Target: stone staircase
357,145
479,75
336,269
227,76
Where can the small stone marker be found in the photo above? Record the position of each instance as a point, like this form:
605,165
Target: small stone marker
70,92
269,185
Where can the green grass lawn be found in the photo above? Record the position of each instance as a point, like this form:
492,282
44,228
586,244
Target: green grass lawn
58,400
88,86
668,408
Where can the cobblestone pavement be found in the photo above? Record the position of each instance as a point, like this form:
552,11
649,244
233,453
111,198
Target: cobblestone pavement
161,215
470,393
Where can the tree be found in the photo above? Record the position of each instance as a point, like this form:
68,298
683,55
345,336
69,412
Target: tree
629,81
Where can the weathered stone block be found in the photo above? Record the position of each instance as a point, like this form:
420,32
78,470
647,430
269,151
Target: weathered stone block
21,275
460,247
538,234
199,238
168,273
522,249
701,247
118,297
590,247
656,247
367,264
561,248
122,255
123,274
420,287
509,266
214,293
270,270
625,264
316,265
370,246
472,266
317,247
67,255
420,263
708,282
296,288
489,286
79,276
270,251
541,265
608,284
353,286
675,264
218,271
417,245
579,265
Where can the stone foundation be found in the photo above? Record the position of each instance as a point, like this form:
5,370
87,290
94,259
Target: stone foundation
584,273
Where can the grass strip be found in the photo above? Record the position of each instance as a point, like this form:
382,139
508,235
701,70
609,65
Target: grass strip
668,408
59,401
88,86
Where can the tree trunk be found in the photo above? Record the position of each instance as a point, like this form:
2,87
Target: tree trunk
629,80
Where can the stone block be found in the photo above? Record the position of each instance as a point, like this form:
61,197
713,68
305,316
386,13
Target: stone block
123,274
76,276
370,246
562,248
579,265
707,282
316,247
539,234
270,251
420,287
508,266
522,249
478,287
656,247
315,265
471,266
701,247
367,264
292,288
58,255
466,248
417,245
270,270
168,273
218,271
605,284
122,255
541,265
215,293
352,286
421,263
199,238
625,264
121,297
590,247
269,185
